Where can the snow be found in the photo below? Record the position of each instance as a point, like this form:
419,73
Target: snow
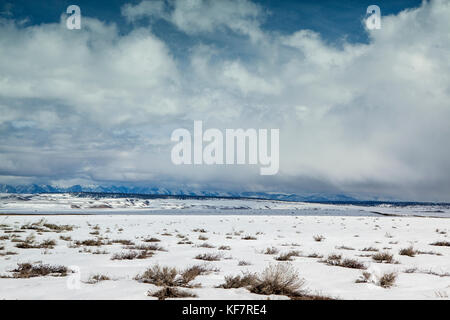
285,232
70,204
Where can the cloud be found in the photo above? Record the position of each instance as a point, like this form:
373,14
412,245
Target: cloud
98,105
202,16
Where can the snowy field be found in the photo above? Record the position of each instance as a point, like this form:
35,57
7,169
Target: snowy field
71,204
369,247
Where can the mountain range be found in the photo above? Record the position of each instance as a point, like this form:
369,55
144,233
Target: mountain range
35,188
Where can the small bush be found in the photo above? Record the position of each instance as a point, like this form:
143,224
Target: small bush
146,247
171,292
224,248
287,256
247,279
30,244
272,250
48,244
280,279
159,276
124,242
408,252
58,228
200,230
170,277
243,263
28,270
97,278
191,273
314,255
336,260
352,263
131,255
203,238
387,280
206,245
209,256
151,240
440,244
248,237
370,249
383,257
89,243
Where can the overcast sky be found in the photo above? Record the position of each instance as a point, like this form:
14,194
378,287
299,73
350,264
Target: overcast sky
359,111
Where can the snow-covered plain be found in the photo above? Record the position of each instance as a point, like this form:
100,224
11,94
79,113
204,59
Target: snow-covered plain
424,276
66,203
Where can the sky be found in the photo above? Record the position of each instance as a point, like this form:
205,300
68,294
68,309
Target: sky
359,111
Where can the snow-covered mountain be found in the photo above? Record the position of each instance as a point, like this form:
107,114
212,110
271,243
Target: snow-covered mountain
34,188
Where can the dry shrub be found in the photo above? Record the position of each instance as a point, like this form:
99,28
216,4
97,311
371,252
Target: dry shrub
224,248
243,263
370,249
203,238
89,242
191,273
151,240
345,248
249,237
288,255
247,279
200,230
352,263
333,257
272,250
97,278
131,255
336,260
28,270
43,226
185,242
314,255
408,252
48,244
209,256
171,292
30,244
206,245
159,276
440,244
387,280
124,242
170,277
365,277
280,279
309,296
429,252
147,247
383,257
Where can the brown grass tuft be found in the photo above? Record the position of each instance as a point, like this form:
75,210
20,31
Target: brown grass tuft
171,292
383,257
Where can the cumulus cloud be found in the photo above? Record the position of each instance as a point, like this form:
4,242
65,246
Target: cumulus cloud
98,106
202,16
